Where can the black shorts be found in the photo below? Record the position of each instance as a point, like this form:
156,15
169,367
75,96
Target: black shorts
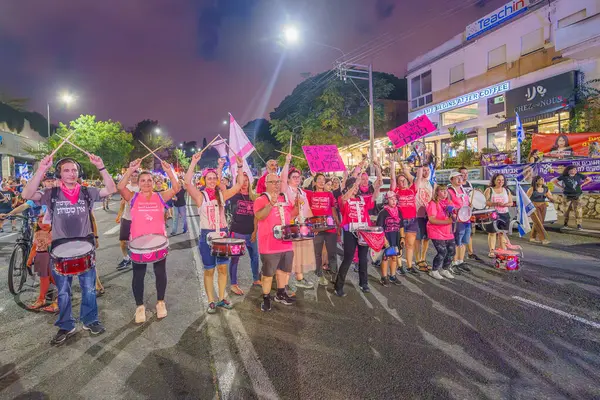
272,262
125,229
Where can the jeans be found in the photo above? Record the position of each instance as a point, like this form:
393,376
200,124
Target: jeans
88,313
446,249
350,244
137,283
330,240
180,211
252,249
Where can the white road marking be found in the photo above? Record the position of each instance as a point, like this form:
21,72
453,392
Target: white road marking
9,235
220,351
559,312
97,208
113,230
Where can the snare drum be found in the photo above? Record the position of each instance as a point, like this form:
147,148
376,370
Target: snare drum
371,236
321,223
73,258
478,200
228,247
293,232
148,248
464,214
484,216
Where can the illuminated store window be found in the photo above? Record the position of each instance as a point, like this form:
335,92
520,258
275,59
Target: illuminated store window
460,114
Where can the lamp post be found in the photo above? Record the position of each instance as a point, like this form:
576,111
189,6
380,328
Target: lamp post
66,99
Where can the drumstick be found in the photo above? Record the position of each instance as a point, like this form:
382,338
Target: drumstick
74,145
282,152
155,150
150,150
61,144
208,145
227,144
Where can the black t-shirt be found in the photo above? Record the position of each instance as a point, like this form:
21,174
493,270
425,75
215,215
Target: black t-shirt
391,226
180,201
572,185
6,200
242,214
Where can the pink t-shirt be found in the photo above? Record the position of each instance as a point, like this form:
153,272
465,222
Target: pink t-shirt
147,215
267,244
407,202
354,207
438,211
321,203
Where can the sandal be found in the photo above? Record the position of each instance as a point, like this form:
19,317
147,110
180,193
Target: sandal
423,266
236,289
36,305
52,308
492,254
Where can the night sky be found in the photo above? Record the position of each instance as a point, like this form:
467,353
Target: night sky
189,62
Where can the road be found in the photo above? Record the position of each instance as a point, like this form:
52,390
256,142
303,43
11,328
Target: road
488,334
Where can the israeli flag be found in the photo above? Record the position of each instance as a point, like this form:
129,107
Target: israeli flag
432,178
520,130
524,209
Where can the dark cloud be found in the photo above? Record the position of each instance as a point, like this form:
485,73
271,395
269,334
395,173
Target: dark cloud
384,8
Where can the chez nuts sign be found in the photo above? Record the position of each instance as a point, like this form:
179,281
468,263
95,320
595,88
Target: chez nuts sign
543,96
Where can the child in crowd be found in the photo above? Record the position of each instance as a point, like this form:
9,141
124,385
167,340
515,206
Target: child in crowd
390,220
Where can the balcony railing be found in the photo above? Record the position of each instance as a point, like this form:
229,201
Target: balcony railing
580,40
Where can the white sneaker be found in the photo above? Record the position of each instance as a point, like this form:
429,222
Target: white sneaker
435,275
447,274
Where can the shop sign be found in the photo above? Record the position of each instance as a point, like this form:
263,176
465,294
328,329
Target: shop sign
467,98
542,96
497,17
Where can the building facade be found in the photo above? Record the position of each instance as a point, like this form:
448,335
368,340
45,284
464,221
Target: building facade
15,161
527,57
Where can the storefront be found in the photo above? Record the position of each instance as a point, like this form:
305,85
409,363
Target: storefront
543,107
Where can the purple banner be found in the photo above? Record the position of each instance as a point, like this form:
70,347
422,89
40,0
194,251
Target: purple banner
496,159
549,170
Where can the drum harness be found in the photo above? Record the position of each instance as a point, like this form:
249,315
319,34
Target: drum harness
88,203
217,216
354,227
279,206
462,196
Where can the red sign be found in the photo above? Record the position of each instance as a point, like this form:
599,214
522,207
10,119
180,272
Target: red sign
411,131
324,158
557,145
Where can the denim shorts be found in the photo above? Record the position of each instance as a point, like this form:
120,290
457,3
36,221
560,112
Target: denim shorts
410,225
422,228
208,260
462,233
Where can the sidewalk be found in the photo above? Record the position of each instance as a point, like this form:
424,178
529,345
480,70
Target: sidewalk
591,227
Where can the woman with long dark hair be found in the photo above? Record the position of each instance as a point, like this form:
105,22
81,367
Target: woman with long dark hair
538,193
572,182
561,147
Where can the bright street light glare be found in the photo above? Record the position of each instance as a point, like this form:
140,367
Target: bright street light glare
224,122
180,144
67,98
157,130
291,34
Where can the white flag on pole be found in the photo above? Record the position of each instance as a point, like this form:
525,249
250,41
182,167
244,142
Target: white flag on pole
524,209
240,144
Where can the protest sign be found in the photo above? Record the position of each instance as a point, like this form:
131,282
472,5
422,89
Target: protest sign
512,171
324,158
557,145
495,159
411,131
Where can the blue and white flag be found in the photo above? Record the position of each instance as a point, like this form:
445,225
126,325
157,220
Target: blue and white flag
524,209
432,177
520,131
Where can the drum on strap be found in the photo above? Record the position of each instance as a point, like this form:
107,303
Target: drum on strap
148,248
293,232
73,257
484,216
228,247
372,236
321,223
464,214
478,200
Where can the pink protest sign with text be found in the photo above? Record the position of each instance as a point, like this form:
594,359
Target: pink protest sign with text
324,158
411,131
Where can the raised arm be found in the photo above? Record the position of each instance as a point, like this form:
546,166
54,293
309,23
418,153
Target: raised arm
392,175
109,184
168,194
239,180
284,173
125,193
30,191
189,177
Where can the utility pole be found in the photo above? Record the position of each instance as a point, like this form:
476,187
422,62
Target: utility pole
347,71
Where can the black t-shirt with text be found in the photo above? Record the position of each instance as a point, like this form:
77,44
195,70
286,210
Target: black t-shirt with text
242,214
6,200
390,225
572,185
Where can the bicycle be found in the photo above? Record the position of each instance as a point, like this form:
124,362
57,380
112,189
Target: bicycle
17,268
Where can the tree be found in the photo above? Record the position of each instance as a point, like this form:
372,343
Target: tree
145,131
322,110
106,139
586,112
259,133
181,159
204,143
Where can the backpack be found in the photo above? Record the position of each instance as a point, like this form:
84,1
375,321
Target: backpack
88,203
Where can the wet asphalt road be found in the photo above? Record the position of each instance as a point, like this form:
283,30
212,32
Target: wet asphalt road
488,334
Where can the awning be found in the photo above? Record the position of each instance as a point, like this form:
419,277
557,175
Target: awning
546,114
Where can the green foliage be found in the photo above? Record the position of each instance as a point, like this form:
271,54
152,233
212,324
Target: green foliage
525,149
181,160
488,150
586,112
321,110
106,139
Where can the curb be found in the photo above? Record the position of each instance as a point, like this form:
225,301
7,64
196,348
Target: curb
571,231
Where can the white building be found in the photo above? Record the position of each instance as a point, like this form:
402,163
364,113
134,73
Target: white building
14,159
476,80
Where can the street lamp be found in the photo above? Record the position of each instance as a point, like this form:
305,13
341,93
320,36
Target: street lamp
157,130
180,144
65,98
224,122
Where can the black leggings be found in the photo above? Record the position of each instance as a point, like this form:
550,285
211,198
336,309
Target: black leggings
137,284
350,243
446,249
